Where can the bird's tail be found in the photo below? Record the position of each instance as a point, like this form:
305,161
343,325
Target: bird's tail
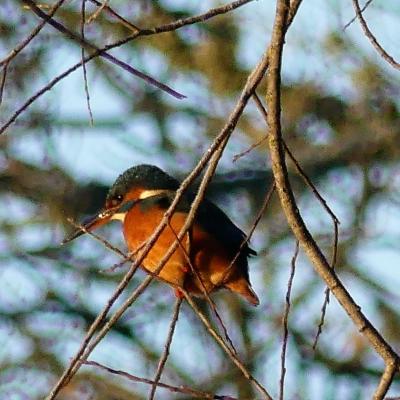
243,287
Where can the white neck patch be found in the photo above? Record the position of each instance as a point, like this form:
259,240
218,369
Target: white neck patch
149,193
119,216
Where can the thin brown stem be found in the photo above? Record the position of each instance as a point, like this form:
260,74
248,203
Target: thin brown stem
121,19
3,81
85,80
165,354
17,49
94,16
63,29
144,32
224,347
285,322
288,201
365,6
204,291
324,204
174,389
367,32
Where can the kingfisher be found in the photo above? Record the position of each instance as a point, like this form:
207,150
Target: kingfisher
214,252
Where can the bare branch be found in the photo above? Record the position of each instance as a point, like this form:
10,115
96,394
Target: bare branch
288,201
367,32
154,31
63,29
97,12
167,346
17,49
175,389
334,218
285,322
224,347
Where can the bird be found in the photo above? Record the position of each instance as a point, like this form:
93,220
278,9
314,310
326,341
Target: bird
213,253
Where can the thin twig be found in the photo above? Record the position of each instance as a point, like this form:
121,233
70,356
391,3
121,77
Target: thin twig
288,200
285,322
246,240
148,32
97,12
100,239
165,354
367,32
224,347
3,81
324,204
355,17
17,49
83,12
121,19
63,29
204,291
175,389
327,291
249,149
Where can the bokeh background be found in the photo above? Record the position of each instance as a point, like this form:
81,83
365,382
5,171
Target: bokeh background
341,119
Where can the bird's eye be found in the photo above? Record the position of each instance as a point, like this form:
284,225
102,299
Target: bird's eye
116,200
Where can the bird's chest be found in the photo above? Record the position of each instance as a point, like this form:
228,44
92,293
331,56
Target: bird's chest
139,224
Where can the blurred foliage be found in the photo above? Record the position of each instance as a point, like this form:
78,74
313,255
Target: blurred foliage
342,122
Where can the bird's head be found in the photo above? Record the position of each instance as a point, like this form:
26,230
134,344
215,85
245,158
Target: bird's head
133,185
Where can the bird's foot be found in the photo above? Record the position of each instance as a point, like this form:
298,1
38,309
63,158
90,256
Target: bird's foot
178,293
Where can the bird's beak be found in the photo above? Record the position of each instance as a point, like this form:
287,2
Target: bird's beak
90,224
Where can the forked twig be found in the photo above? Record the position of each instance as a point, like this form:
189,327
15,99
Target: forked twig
285,322
97,12
175,389
167,346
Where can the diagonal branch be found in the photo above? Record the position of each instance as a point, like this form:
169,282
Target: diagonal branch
167,346
172,26
17,49
63,29
174,389
224,347
288,200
